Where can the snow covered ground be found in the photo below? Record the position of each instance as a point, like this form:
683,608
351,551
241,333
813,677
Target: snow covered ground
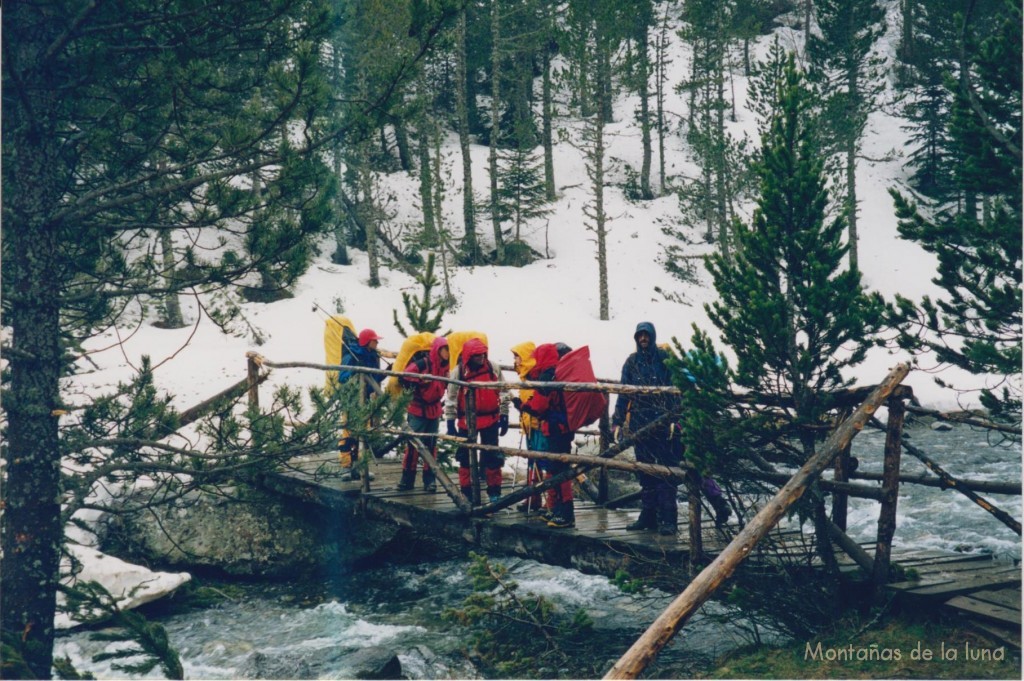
553,299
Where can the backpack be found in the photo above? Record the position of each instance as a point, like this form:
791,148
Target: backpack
585,406
338,332
413,348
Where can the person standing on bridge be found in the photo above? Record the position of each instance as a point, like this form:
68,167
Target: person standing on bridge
523,363
424,411
646,367
491,415
361,354
548,406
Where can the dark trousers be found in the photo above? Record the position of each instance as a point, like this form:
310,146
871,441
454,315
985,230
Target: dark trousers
657,495
491,462
418,424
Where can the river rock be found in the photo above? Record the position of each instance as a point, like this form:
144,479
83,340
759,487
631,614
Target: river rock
374,662
245,534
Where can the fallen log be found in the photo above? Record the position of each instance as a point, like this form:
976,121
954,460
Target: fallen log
703,586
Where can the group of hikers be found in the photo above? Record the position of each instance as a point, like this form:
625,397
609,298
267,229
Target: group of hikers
544,419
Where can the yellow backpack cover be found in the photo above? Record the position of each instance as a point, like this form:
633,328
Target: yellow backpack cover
410,346
334,331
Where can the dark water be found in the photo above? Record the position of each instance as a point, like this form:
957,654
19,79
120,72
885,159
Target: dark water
312,630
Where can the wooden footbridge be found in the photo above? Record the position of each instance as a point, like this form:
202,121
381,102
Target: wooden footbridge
701,556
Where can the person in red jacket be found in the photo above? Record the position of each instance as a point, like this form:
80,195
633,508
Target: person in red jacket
424,412
548,406
491,415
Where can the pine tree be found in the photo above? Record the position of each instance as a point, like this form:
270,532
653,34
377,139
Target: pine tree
120,122
794,318
843,63
424,313
977,325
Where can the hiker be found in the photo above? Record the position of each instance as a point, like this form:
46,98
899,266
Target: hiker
523,362
424,411
362,353
548,406
491,415
647,367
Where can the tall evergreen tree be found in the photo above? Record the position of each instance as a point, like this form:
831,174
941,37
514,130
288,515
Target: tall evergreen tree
844,64
793,316
121,121
977,325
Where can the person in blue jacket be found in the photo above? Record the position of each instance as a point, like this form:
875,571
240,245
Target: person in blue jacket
362,353
646,367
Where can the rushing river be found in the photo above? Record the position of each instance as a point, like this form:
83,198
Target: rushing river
315,630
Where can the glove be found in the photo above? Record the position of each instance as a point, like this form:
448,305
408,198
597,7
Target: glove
503,424
451,427
518,403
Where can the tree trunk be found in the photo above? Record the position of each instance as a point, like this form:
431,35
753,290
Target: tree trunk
369,219
426,179
660,88
402,142
546,133
31,521
644,62
499,243
469,244
172,318
598,179
853,87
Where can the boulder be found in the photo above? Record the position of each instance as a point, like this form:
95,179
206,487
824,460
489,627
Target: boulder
245,534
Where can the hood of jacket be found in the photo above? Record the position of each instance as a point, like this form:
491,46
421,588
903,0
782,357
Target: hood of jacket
472,348
437,366
524,351
649,328
546,356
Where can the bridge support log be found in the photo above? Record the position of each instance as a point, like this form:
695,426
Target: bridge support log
636,659
451,488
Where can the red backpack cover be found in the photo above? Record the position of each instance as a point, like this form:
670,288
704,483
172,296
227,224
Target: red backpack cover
582,407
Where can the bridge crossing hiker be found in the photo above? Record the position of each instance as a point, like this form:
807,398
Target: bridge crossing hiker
523,363
491,415
424,411
646,367
554,435
362,353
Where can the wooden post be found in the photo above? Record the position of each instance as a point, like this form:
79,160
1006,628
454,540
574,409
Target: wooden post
253,368
361,444
474,467
640,654
890,491
696,533
604,427
840,501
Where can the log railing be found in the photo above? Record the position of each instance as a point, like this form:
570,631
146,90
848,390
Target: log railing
841,486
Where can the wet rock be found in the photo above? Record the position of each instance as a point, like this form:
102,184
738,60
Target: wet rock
263,666
375,662
252,534
941,426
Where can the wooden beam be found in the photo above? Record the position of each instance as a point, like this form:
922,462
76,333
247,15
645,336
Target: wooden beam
636,659
890,491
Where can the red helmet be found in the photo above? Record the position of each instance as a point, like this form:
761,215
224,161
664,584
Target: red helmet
367,335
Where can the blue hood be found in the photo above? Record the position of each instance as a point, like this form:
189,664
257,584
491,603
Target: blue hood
649,328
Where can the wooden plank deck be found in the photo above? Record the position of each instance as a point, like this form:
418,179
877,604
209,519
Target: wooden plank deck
601,544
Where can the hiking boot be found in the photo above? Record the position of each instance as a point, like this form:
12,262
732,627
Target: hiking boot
430,487
491,498
429,481
560,521
722,511
408,481
645,521
667,530
353,474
